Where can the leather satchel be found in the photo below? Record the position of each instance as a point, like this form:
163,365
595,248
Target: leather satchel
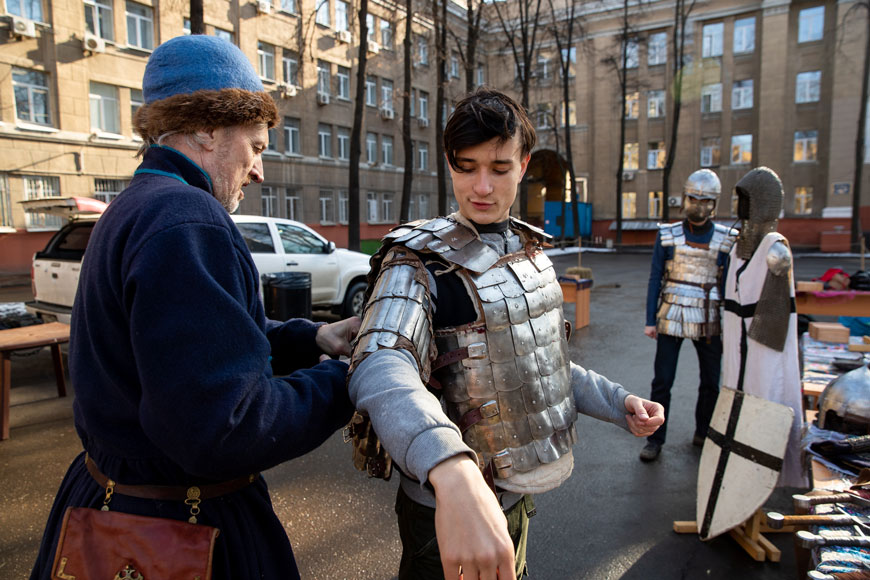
107,545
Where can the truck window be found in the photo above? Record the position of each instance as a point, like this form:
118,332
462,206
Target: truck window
257,237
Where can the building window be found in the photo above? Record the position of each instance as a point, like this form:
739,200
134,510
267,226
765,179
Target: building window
386,34
140,26
543,115
657,48
30,9
324,140
454,65
480,74
37,186
655,155
5,202
99,20
423,104
371,91
105,108
387,149
572,113
371,33
343,206
806,145
106,190
323,77
386,94
630,156
343,78
327,206
341,22
655,101
741,95
371,207
632,105
710,147
136,101
322,16
631,51
371,148
343,135
293,205
268,201
288,6
423,156
387,208
811,24
543,68
266,60
224,34
741,149
291,136
712,40
422,51
31,96
654,205
808,86
629,204
744,35
272,145
290,66
803,200
418,208
711,98
569,55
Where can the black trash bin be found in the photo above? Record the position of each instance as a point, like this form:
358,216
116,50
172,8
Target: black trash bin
287,295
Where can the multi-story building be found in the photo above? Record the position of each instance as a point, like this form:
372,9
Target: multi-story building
771,82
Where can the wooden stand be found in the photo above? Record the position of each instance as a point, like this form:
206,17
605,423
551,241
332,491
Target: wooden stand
576,291
748,535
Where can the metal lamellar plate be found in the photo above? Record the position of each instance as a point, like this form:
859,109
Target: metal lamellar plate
683,299
521,373
398,312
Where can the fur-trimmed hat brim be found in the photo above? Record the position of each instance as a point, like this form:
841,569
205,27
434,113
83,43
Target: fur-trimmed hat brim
203,110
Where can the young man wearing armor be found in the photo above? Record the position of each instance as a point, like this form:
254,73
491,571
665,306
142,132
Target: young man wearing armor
683,299
462,363
759,327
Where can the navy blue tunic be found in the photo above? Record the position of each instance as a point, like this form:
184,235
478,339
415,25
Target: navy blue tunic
174,367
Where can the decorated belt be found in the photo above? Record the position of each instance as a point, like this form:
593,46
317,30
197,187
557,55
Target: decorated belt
168,492
748,310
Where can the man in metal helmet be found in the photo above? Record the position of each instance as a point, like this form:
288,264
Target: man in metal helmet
683,299
759,326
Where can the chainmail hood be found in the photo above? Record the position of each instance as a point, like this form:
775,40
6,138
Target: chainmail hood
759,203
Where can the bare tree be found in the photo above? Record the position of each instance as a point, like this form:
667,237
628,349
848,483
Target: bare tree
468,49
521,29
440,20
562,30
682,10
862,124
353,192
197,17
408,173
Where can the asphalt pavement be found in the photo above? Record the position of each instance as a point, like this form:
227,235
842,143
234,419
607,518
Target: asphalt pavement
613,519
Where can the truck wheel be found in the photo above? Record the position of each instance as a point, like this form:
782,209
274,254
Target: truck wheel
354,300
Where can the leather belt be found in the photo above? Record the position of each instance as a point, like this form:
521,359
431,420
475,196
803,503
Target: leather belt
168,492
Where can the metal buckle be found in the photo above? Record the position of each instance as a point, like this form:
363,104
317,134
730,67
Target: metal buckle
489,409
477,350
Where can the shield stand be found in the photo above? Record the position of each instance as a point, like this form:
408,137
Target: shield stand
748,535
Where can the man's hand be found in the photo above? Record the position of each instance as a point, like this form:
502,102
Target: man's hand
644,416
335,338
650,331
469,524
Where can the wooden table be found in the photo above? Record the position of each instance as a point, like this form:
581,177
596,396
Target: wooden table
833,303
37,335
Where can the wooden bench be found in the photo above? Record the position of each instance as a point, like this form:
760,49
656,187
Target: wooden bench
38,335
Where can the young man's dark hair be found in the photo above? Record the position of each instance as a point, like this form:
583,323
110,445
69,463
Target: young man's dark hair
483,115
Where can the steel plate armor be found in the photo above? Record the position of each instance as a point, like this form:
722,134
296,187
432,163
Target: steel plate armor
505,377
690,296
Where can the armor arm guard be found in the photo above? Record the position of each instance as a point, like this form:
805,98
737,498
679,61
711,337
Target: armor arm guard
598,397
770,324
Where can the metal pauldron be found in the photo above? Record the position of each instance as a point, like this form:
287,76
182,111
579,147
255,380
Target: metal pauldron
511,396
398,313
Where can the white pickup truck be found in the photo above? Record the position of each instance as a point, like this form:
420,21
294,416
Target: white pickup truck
338,276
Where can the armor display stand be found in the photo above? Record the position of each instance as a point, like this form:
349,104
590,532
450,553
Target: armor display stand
748,535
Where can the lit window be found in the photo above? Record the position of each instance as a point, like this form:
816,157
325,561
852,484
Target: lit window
808,86
632,105
31,96
105,108
629,204
744,35
630,156
803,200
711,98
806,145
811,24
572,113
712,40
741,95
655,155
140,26
710,151
657,48
654,205
99,20
741,149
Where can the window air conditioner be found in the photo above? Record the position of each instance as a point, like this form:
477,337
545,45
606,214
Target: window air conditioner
627,175
387,113
344,36
264,6
286,91
373,47
322,99
423,121
22,27
93,43
674,200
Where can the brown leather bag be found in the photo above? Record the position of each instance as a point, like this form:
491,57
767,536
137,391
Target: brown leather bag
108,545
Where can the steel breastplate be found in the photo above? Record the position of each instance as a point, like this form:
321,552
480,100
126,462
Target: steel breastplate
511,393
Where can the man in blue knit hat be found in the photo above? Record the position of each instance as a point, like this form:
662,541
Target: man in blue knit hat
175,366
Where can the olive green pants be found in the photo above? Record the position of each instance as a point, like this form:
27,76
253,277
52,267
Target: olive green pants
421,559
